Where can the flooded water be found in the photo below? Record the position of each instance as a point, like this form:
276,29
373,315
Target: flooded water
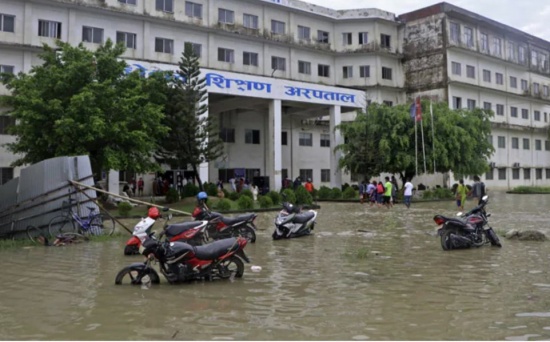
393,282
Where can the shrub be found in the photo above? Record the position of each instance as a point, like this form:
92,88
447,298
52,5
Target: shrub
443,193
349,193
275,197
124,208
172,196
335,193
245,202
302,196
246,192
190,190
324,193
211,189
225,193
427,194
290,196
265,202
234,196
531,189
223,204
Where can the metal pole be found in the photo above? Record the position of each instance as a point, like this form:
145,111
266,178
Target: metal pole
433,133
423,148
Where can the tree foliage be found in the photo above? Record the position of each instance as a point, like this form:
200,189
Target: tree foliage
383,140
194,137
80,102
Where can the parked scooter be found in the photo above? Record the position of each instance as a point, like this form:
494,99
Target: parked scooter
220,227
468,230
291,222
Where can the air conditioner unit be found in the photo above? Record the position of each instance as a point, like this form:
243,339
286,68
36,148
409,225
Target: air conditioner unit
515,165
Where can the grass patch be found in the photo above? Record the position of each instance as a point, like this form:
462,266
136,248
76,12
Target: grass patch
10,244
358,253
531,190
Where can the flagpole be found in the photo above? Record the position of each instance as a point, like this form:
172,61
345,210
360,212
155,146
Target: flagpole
433,133
416,146
423,148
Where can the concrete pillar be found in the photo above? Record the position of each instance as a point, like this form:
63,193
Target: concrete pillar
113,185
203,167
27,24
273,146
335,140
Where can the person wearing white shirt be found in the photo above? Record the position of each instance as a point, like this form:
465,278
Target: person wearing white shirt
407,195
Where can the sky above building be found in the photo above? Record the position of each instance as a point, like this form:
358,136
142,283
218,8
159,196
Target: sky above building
531,16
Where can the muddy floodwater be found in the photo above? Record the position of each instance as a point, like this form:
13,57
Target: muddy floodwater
393,282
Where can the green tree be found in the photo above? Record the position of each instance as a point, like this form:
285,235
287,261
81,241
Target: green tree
80,102
383,140
194,137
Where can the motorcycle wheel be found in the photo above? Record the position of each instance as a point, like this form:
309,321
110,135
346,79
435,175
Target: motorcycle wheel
247,232
131,250
233,265
446,242
493,237
133,275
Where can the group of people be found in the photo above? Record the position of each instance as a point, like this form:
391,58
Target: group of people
477,192
130,187
238,185
288,184
384,194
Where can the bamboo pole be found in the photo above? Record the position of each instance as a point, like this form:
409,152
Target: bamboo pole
128,198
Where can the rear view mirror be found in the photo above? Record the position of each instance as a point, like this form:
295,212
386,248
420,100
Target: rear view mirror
485,198
169,216
165,209
459,213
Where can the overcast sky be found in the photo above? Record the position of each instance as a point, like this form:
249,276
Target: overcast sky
531,16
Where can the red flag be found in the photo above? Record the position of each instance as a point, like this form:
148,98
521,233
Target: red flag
418,110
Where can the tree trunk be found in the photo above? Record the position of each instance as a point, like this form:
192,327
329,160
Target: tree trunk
197,177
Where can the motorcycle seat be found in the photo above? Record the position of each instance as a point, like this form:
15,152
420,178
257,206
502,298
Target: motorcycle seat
304,217
178,228
232,220
216,249
459,222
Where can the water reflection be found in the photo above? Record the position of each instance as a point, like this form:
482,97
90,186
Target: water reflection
317,287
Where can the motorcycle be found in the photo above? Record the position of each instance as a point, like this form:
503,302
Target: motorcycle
220,227
192,232
291,222
468,230
182,262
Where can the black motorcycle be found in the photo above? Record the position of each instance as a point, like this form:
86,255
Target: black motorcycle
467,230
222,227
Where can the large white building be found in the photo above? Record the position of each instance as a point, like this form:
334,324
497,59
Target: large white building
442,51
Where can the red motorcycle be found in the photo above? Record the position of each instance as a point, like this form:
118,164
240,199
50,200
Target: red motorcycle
181,262
220,227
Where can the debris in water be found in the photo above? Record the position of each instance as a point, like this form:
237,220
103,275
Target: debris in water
145,282
174,336
255,268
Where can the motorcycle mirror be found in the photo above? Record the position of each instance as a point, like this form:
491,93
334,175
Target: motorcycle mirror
169,216
485,198
165,209
459,213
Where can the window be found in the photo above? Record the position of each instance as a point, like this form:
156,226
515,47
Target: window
193,10
322,37
127,39
538,145
547,173
457,102
363,38
7,69
165,6
470,71
252,136
514,112
538,173
347,38
484,42
277,27
347,71
534,58
499,78
323,70
515,143
304,33
305,139
545,117
515,173
386,73
536,115
521,54
7,23
456,68
468,36
536,88
325,175
6,174
164,45
545,91
226,55
364,71
226,16
250,21
500,109
513,82
304,67
527,173
502,173
512,51
284,138
524,85
489,174
487,106
385,41
486,75
455,32
50,29
526,144
547,145
524,113
471,104
501,142
306,174
227,135
325,140
250,58
278,63
128,2
497,46
6,122
196,48
92,35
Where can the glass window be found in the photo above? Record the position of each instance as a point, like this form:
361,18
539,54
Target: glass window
456,68
6,121
227,135
347,38
497,46
536,114
250,58
514,112
499,78
306,174
364,71
515,143
385,41
193,10
526,144
6,174
386,73
164,45
538,144
502,173
325,175
487,105
305,139
512,51
277,27
129,2
484,39
250,21
325,140
347,71
469,36
226,55
501,142
127,39
226,16
304,67
521,54
489,174
363,38
304,32
278,63
536,88
92,35
515,173
545,91
284,138
323,70
7,69
457,102
547,173
500,109
547,145
455,32
50,29
252,136
513,82
470,71
197,48
524,85
538,173
527,173
7,23
471,104
486,75
165,5
524,113
322,37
